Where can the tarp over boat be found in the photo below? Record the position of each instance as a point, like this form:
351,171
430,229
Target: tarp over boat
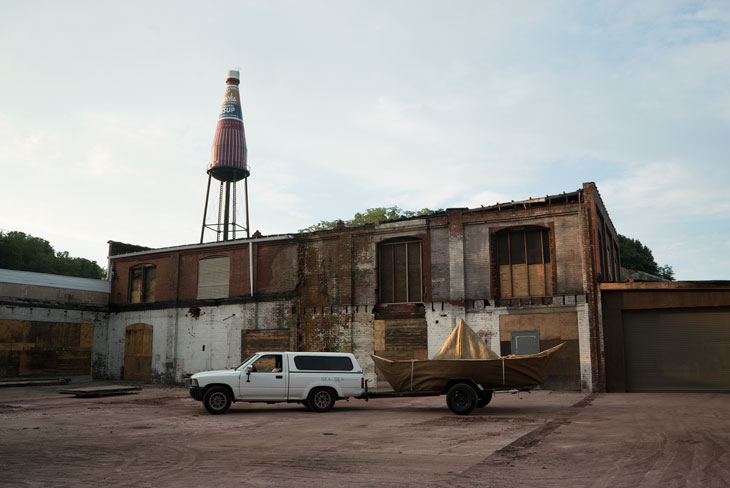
464,343
435,374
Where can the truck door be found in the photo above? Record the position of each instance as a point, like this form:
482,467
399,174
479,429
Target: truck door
267,379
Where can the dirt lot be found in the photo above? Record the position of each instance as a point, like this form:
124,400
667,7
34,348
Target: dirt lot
161,437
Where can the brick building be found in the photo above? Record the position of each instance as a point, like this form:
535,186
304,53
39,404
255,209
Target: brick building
524,275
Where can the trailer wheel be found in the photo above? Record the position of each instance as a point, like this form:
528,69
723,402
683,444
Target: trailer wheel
321,399
461,399
217,400
484,400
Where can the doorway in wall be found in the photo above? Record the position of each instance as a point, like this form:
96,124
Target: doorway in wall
138,352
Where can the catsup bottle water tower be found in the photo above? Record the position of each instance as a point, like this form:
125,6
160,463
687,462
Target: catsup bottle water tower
228,164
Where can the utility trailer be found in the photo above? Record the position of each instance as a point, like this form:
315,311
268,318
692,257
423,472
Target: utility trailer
465,370
463,395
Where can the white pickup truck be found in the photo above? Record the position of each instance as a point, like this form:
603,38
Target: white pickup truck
314,379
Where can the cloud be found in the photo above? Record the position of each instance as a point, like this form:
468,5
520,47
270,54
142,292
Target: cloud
351,107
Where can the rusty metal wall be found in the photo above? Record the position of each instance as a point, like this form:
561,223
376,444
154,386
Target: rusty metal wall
620,299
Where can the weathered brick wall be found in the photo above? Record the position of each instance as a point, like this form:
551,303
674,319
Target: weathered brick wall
451,275
456,256
363,341
569,262
324,278
477,273
364,271
334,276
239,270
276,267
441,318
327,329
440,282
163,275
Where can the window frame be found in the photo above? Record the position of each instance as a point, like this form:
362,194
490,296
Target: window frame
145,280
305,362
400,241
546,246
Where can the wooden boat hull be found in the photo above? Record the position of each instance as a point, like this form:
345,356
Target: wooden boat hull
435,374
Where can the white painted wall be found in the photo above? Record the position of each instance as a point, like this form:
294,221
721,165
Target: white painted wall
179,337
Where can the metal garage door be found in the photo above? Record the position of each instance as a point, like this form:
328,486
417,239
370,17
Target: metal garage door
677,350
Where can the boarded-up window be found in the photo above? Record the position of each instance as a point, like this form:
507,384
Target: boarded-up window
401,338
35,348
263,341
401,272
142,283
213,277
524,263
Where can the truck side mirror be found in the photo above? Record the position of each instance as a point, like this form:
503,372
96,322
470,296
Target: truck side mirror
249,368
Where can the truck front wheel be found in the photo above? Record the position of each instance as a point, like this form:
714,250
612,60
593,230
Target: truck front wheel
321,399
217,400
461,399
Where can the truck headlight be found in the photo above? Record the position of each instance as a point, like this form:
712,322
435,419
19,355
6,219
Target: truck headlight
194,382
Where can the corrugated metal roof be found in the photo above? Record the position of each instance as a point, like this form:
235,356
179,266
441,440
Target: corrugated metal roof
53,281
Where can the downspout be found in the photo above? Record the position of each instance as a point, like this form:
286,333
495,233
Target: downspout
175,361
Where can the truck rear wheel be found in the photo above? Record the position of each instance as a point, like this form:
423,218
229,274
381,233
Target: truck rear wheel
461,399
321,399
217,400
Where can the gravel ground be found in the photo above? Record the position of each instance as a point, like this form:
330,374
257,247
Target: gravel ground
161,437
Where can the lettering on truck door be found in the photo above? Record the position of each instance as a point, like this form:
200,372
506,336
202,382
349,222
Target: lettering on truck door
267,380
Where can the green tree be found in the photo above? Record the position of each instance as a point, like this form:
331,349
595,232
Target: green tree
372,216
636,256
23,252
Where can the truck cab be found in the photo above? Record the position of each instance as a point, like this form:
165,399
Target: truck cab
314,379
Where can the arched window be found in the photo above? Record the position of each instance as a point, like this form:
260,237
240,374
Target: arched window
214,277
142,283
524,263
401,271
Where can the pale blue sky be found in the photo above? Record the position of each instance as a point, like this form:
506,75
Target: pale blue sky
108,109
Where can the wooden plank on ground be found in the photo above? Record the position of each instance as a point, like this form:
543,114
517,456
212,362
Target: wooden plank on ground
16,383
95,391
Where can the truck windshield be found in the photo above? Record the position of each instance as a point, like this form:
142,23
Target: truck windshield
245,361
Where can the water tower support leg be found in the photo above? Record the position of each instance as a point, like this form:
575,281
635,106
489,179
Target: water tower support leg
205,210
245,195
226,218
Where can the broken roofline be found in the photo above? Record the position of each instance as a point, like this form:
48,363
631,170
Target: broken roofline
187,247
547,200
